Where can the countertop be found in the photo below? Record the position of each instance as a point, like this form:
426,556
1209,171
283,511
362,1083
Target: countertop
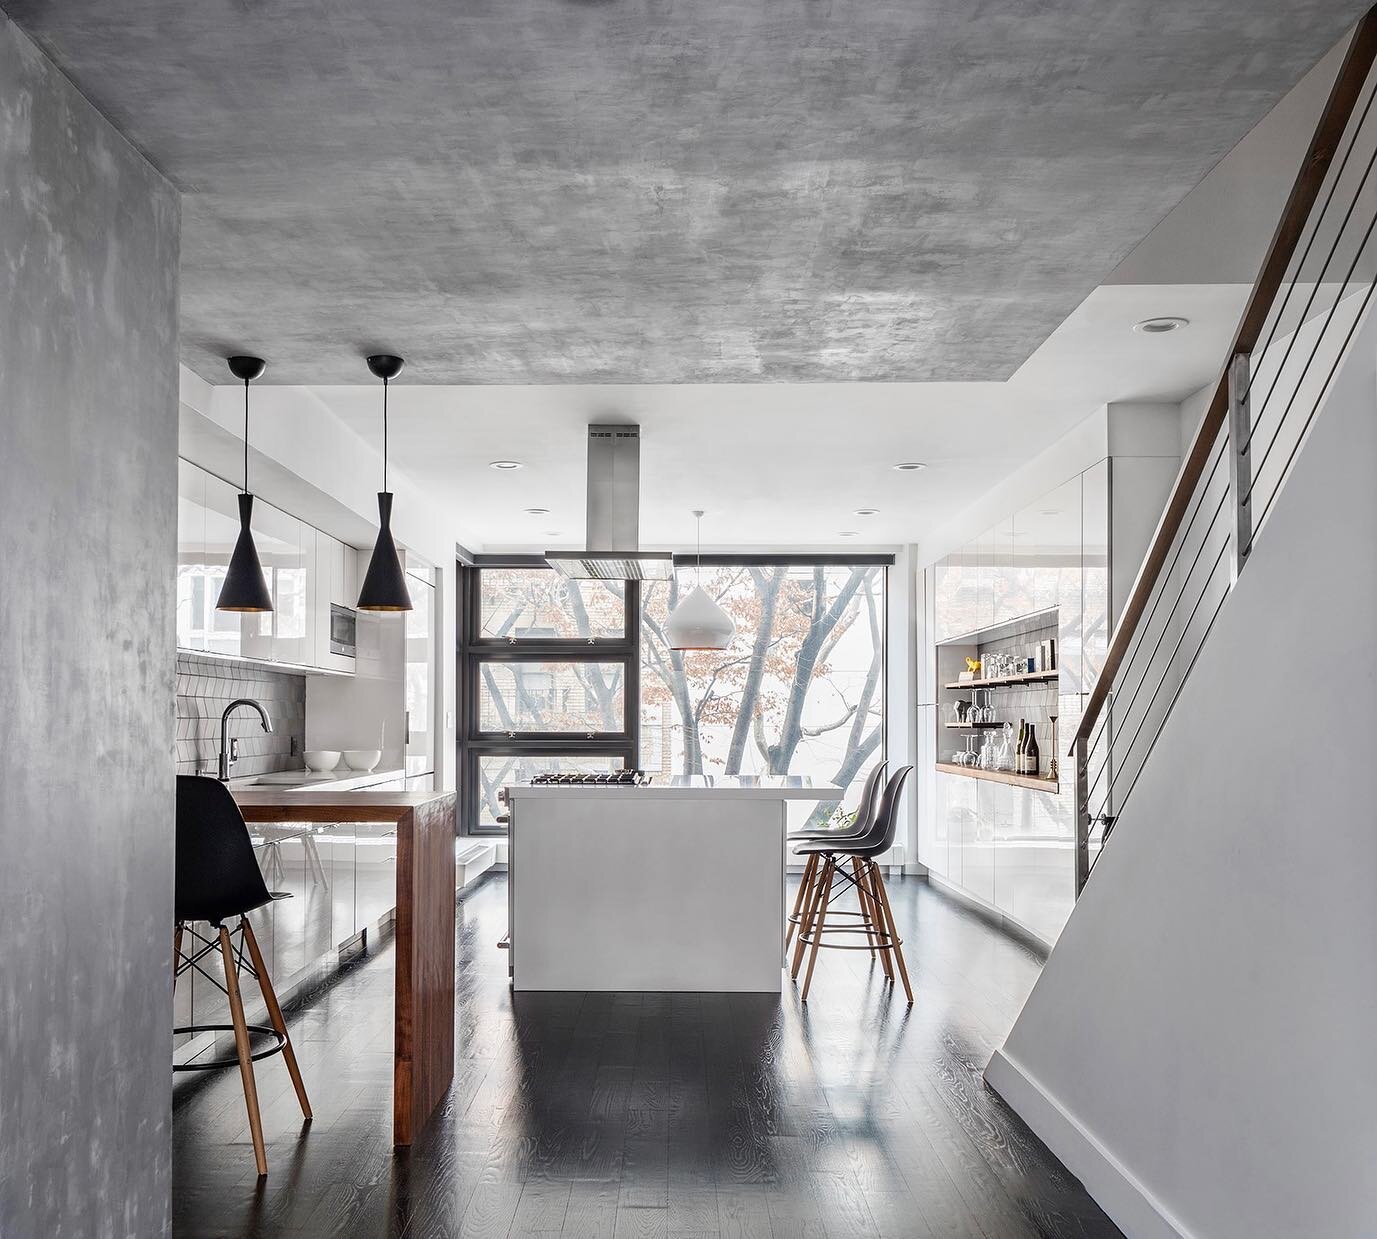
316,804
338,780
687,787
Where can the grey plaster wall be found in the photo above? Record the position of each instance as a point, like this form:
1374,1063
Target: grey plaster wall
88,502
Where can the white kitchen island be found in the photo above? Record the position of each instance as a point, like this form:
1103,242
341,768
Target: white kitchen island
665,887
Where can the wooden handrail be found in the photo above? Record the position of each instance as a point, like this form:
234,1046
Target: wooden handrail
1338,110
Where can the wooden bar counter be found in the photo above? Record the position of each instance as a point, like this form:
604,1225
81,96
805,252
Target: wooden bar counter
424,1001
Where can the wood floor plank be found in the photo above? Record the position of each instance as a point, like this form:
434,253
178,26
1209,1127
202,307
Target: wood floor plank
600,1116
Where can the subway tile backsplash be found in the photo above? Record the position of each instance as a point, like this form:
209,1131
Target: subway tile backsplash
205,686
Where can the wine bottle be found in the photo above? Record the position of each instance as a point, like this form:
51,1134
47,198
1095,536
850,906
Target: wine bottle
1031,754
1021,746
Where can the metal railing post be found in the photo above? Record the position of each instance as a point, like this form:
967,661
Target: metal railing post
1239,448
1082,752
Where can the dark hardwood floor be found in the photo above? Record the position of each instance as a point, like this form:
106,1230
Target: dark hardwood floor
606,1116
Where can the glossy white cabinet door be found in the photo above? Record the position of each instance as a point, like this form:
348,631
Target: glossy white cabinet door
938,856
223,628
977,851
1008,599
420,678
948,574
287,577
956,808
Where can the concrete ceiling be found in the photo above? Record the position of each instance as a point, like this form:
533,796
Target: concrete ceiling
634,191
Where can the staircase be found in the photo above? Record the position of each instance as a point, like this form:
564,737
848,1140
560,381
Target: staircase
1198,1047
1296,329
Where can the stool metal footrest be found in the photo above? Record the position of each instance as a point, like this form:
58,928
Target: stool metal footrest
279,1044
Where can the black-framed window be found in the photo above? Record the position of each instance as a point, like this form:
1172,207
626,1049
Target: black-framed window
550,678
802,688
577,675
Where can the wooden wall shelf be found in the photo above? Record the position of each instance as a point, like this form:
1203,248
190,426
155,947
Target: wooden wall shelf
971,726
1036,784
1028,677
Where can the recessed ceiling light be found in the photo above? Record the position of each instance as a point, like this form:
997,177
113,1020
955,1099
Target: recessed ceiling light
1050,512
1160,326
504,464
537,511
867,512
910,466
849,533
553,533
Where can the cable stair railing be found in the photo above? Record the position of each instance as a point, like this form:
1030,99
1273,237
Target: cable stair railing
1314,285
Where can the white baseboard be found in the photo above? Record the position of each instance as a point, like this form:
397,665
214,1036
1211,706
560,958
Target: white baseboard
1130,1205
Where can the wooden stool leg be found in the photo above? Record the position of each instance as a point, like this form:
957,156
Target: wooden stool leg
893,929
176,953
881,928
828,871
861,898
275,1015
810,909
241,1045
803,887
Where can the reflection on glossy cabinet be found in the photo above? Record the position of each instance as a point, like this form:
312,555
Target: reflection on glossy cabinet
978,859
305,570
948,575
956,807
285,563
1007,599
222,628
375,871
924,790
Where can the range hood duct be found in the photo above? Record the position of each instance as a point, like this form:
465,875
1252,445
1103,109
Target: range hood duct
614,515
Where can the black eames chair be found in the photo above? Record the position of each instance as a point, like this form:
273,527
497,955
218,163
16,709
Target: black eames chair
218,880
865,819
850,861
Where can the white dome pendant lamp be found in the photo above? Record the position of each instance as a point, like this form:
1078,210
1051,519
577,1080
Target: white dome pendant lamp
698,623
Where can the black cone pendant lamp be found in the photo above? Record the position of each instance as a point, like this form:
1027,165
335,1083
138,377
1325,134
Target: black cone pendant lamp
384,585
244,587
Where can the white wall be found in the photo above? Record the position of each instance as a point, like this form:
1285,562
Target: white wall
1198,1049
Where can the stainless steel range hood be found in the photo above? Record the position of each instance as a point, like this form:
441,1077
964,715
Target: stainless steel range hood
614,515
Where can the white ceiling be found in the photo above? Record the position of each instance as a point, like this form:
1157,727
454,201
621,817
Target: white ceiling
781,464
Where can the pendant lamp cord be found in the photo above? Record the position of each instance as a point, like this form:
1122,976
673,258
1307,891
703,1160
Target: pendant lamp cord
384,434
246,436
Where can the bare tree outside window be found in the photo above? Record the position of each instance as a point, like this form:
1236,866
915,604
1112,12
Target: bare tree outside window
800,690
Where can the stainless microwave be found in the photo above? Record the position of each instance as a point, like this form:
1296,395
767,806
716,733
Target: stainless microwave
343,630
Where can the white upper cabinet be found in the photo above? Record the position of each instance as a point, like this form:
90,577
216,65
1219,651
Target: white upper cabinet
335,587
305,570
284,564
222,628
1008,601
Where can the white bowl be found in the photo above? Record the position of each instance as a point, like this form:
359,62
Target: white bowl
322,759
362,760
